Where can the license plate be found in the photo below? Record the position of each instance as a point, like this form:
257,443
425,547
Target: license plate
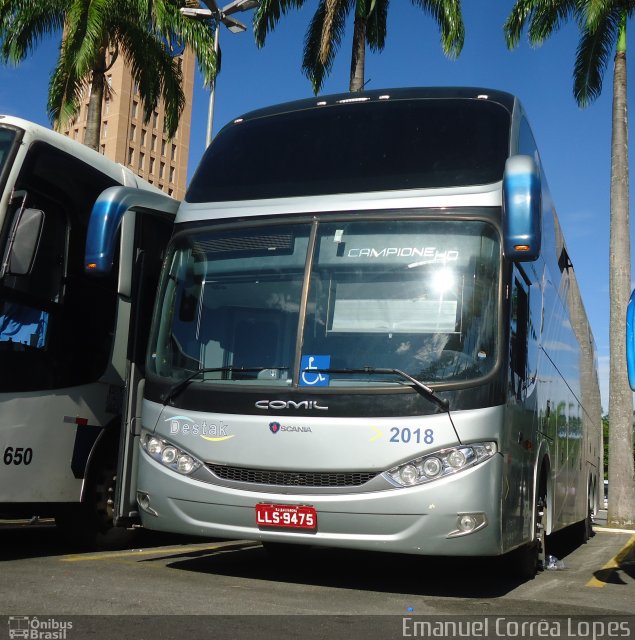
286,516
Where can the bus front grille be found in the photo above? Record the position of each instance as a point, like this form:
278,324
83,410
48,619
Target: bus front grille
292,478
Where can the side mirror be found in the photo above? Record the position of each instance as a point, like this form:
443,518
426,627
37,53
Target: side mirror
522,209
105,221
630,340
23,243
107,217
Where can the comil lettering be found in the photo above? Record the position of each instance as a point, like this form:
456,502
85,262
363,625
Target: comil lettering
290,404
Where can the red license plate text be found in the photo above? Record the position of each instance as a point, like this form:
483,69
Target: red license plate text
286,516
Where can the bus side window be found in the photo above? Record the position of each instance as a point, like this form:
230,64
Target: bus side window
518,335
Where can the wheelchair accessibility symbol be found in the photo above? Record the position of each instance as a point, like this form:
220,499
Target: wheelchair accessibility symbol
311,368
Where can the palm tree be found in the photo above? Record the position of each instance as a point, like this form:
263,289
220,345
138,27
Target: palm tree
94,33
603,30
326,30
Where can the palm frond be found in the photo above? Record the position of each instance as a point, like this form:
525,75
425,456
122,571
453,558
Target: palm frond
376,25
595,10
87,34
268,14
550,16
331,8
313,66
542,17
516,21
449,18
595,49
156,73
23,25
66,91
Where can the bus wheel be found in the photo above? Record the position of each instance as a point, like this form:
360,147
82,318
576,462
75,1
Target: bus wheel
586,526
90,524
530,558
102,502
582,531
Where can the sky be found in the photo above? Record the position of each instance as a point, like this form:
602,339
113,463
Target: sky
574,143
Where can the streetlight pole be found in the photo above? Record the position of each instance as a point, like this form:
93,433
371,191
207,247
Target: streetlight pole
222,15
212,90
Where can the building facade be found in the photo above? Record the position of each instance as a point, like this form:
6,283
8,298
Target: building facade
143,147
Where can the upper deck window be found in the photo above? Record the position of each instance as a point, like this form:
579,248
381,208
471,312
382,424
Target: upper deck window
353,148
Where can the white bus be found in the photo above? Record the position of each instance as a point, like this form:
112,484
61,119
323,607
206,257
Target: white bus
369,335
64,348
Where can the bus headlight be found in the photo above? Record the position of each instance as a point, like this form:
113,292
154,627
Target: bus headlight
440,464
431,467
168,454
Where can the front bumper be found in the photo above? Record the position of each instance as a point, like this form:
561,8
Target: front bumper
416,520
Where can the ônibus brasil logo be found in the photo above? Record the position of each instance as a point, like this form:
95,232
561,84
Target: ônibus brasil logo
34,628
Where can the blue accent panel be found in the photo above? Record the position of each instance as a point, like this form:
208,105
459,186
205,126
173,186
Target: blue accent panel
105,219
630,340
522,209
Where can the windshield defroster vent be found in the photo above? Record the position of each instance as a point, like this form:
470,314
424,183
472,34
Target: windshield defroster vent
278,242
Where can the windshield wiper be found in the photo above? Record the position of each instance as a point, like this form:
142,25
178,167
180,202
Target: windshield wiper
426,391
176,388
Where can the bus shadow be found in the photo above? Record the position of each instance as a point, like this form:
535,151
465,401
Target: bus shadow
41,538
359,570
452,577
20,540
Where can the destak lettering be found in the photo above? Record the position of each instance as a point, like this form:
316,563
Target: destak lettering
207,430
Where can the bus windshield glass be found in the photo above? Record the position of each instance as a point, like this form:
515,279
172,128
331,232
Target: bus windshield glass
7,138
415,295
355,148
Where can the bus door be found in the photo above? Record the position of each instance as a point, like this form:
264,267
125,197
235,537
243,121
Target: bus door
141,257
521,436
152,233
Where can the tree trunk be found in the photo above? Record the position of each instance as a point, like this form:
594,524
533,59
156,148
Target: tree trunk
93,115
621,508
358,55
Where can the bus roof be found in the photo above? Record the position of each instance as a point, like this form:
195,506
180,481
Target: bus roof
113,169
503,98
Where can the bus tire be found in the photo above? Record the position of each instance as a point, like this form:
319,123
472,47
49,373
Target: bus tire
582,531
89,524
101,501
529,559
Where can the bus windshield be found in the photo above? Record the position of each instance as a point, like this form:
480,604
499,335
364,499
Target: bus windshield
7,137
356,148
415,295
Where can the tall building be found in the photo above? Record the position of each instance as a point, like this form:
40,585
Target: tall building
145,148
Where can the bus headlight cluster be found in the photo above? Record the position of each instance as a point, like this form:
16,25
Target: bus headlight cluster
168,454
440,464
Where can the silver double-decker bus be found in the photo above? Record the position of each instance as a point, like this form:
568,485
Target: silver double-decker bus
369,335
